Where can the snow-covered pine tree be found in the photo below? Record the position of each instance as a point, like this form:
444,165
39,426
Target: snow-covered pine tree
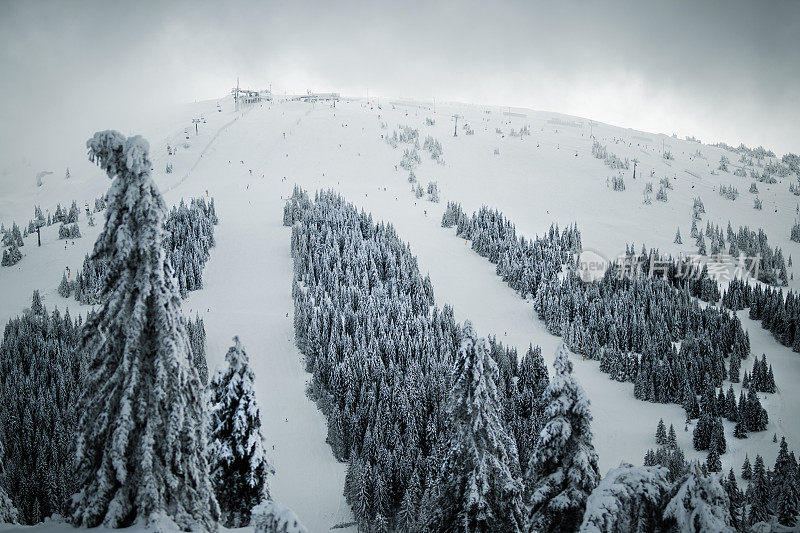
197,340
629,498
239,467
785,493
758,493
73,214
735,498
563,466
479,487
272,517
661,433
11,256
713,462
141,435
747,470
678,239
699,504
529,409
65,287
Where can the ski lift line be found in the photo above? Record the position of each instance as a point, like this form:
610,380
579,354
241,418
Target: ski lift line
205,149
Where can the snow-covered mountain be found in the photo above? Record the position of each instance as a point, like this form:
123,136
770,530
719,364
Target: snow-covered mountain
537,167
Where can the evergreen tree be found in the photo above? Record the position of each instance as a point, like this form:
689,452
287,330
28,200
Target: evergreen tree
713,462
239,467
731,409
699,504
197,340
747,471
563,467
672,441
629,498
678,237
701,437
272,517
74,212
477,488
690,404
759,493
755,415
141,437
785,492
65,287
740,429
735,498
661,433
11,256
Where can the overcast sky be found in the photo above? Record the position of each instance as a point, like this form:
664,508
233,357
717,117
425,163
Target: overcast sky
717,70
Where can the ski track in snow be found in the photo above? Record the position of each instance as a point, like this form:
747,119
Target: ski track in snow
535,180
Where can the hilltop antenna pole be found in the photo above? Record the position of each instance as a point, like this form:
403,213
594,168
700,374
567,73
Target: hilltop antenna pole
236,95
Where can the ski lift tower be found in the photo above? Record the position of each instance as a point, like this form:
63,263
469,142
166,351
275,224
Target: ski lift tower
455,128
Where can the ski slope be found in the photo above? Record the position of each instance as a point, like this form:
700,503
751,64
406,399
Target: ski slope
249,162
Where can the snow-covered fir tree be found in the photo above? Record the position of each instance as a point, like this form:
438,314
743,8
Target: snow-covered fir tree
65,287
479,487
197,340
11,256
141,435
563,466
272,517
747,470
785,491
758,493
239,467
699,504
661,433
629,498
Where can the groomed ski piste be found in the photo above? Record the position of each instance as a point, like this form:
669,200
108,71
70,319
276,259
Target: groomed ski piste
250,160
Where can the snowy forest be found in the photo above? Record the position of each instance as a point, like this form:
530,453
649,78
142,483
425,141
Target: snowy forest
115,419
240,329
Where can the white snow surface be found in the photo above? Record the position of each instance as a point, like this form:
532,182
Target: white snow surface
536,180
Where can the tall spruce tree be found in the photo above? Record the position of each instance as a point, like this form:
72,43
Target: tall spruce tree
785,493
563,467
479,486
759,492
141,435
239,467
